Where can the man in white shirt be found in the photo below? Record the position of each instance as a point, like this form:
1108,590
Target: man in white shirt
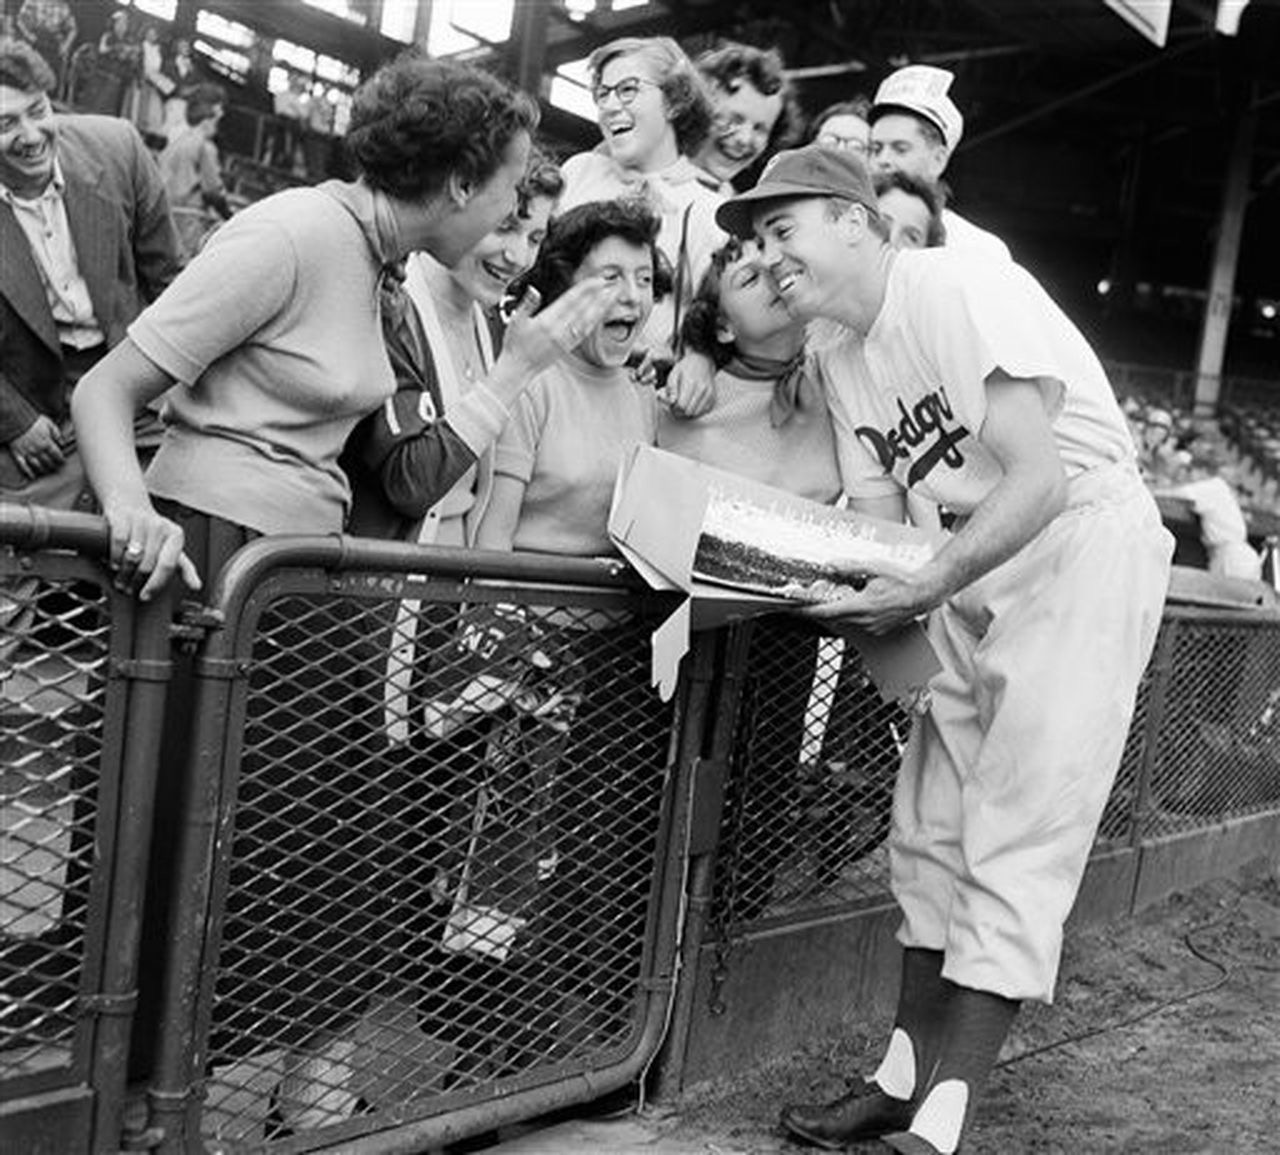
961,380
87,240
915,128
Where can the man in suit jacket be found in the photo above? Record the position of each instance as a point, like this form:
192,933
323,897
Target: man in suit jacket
87,241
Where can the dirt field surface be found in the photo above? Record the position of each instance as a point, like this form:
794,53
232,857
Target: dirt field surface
1165,1037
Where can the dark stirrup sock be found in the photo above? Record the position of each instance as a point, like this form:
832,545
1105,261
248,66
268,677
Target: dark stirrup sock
917,1027
976,1025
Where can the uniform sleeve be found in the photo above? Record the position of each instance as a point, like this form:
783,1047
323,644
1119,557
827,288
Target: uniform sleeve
986,316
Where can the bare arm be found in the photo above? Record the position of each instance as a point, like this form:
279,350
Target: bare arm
690,390
497,528
145,547
1027,497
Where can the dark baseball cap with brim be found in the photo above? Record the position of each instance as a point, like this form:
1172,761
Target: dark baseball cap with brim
812,171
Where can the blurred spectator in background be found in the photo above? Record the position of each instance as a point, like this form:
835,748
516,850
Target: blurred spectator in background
284,148
191,170
1200,468
844,125
753,110
153,86
915,128
119,66
182,68
316,132
49,26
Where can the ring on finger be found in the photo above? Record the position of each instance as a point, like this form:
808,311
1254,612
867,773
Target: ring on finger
133,549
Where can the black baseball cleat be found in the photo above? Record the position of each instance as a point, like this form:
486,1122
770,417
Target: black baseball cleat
865,1113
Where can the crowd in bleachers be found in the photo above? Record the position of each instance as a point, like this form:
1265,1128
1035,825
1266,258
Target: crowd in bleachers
457,346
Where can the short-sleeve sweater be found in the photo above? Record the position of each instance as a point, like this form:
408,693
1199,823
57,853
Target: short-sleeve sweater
565,440
273,334
909,399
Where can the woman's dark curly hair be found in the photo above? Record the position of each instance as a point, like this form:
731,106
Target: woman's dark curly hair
931,194
732,64
23,68
698,330
573,234
683,88
859,106
542,178
416,121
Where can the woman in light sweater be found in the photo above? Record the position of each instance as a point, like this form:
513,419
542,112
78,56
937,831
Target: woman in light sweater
555,467
270,349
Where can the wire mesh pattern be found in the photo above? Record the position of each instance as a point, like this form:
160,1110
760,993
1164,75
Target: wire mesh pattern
808,800
1219,744
1119,817
446,829
53,646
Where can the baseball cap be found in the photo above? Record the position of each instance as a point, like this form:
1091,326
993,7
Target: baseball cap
813,170
922,89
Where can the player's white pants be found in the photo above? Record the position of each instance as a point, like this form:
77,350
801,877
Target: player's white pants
1004,781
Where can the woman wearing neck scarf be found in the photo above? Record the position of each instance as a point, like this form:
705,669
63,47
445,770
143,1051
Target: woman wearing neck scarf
654,112
770,424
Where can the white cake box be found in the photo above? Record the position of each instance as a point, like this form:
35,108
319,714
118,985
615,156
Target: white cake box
679,523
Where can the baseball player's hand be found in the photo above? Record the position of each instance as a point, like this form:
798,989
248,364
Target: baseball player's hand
886,602
690,389
38,449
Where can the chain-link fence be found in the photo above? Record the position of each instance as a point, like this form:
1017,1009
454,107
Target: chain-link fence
1217,752
815,750
422,825
444,829
82,673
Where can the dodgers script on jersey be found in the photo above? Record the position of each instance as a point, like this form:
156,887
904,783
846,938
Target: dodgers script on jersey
909,399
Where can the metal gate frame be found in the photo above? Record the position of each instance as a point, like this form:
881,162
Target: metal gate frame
264,570
80,1106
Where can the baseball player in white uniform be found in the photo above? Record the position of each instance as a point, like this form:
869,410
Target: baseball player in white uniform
960,379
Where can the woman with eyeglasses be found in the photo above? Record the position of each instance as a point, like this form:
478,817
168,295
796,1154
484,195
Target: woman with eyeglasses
654,112
844,125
